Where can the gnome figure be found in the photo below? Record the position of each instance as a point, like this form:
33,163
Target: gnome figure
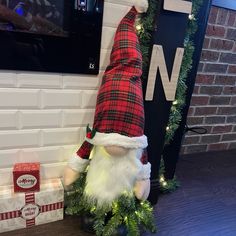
114,148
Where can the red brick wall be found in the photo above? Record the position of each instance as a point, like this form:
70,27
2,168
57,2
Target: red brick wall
213,104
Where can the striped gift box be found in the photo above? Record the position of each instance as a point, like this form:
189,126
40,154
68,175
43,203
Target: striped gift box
22,210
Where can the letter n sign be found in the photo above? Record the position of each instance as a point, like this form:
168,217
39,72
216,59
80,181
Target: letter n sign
158,58
158,62
166,59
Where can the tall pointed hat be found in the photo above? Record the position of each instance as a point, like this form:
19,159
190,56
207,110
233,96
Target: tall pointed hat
119,115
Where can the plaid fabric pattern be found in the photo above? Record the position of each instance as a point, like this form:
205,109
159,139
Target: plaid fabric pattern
119,106
84,150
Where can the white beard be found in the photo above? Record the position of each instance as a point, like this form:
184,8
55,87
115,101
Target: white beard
108,176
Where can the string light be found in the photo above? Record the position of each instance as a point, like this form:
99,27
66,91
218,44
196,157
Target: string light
93,209
138,27
167,128
162,179
164,183
175,102
191,17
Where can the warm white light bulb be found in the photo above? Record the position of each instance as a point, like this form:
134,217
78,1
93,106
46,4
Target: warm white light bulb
162,179
191,17
164,183
138,27
167,128
175,102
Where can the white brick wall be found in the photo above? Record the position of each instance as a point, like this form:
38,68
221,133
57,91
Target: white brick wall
19,138
19,98
43,115
61,98
8,119
40,119
39,80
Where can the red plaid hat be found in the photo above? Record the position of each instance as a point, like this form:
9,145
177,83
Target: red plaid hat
119,115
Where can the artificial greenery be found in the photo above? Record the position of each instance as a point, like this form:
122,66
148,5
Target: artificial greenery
177,106
126,211
175,117
167,185
146,24
145,33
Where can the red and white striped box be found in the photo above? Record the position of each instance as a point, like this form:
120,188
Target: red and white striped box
26,177
22,210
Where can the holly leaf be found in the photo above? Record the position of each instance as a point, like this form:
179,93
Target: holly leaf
93,133
88,130
90,133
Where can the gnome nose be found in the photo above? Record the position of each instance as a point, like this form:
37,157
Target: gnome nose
116,151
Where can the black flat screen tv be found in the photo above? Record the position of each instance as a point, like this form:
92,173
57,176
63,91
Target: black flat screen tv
51,35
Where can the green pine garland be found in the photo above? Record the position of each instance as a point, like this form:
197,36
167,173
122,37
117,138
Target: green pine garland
167,186
126,210
145,33
175,117
177,106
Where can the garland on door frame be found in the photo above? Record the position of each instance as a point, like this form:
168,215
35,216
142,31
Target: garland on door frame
145,28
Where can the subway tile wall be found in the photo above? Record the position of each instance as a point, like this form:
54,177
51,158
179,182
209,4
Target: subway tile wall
43,116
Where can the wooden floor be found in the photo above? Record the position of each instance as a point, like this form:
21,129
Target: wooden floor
204,205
